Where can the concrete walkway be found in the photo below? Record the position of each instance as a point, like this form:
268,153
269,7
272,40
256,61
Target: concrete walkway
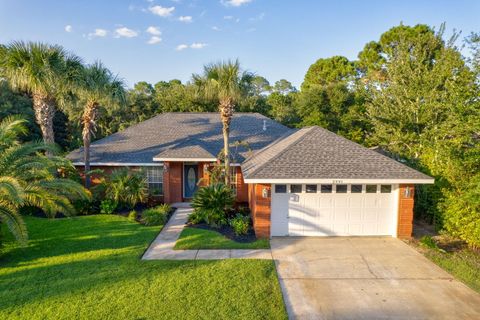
162,247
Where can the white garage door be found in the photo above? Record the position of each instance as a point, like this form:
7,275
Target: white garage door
334,210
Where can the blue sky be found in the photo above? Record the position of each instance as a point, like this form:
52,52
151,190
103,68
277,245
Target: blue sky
164,39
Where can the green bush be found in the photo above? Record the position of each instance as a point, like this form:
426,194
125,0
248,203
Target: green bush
211,203
107,206
126,187
132,215
462,213
157,215
240,224
428,242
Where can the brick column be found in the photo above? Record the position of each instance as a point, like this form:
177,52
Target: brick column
405,211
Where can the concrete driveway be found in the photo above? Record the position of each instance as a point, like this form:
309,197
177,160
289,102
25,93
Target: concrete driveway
366,278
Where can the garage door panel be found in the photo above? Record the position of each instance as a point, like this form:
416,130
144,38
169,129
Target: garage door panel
330,214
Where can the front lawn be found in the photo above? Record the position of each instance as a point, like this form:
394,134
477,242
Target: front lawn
197,238
89,268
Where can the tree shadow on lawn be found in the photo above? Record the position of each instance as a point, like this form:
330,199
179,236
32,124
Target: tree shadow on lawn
51,238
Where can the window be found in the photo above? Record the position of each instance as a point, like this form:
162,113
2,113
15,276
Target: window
385,188
280,188
155,180
371,188
341,188
295,188
356,188
326,188
311,188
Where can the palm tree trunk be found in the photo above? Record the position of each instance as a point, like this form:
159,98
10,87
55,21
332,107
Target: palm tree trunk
44,109
88,120
226,112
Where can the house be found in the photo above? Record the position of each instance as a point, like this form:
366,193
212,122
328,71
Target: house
307,182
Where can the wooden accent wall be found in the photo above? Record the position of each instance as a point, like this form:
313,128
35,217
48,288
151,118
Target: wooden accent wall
242,188
260,208
405,212
172,182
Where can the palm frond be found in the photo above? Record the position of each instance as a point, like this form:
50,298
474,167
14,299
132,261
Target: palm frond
10,216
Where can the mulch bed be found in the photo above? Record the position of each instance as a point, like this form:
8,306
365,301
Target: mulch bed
227,231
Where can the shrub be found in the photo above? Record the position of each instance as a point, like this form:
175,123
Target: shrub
210,204
107,206
240,224
132,215
428,242
462,212
126,187
157,215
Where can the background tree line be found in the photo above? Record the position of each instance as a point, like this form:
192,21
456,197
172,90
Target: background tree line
414,93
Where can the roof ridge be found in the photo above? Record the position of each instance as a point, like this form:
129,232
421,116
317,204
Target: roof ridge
278,154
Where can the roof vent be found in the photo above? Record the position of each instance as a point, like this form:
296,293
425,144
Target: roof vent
264,125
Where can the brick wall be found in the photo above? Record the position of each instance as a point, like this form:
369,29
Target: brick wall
405,212
260,208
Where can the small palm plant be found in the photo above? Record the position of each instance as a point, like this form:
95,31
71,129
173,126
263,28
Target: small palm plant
126,187
28,178
211,203
226,83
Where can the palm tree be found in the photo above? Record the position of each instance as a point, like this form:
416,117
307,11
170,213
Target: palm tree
98,86
28,178
226,83
44,71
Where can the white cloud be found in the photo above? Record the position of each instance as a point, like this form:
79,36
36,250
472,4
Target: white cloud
68,28
181,47
186,19
198,45
215,28
228,17
154,31
125,32
98,33
235,3
161,11
154,40
258,18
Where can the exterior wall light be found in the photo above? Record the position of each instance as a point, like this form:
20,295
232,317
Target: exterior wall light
407,192
265,192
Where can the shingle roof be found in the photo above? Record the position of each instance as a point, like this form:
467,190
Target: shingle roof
316,153
181,135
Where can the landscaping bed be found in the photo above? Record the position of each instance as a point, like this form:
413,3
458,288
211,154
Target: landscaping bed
89,267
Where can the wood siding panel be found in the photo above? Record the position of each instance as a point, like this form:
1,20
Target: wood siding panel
405,212
260,208
172,182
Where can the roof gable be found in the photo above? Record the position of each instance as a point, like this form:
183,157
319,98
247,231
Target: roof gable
316,153
183,135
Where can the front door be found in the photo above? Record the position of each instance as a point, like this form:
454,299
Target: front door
190,179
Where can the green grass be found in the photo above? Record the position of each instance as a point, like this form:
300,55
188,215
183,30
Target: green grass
195,238
463,264
90,268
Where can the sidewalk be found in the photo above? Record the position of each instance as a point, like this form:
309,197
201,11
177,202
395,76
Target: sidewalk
162,247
